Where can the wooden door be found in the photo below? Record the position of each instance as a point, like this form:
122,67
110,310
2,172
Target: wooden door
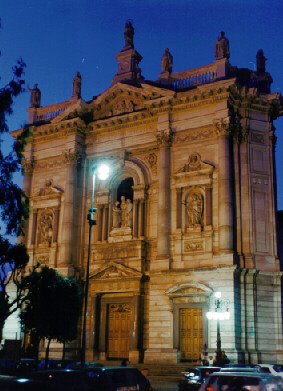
191,333
119,326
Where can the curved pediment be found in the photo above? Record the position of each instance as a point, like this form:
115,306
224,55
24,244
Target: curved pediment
189,290
115,270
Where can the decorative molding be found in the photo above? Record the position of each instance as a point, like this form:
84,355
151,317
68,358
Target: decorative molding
42,259
151,158
195,135
258,138
260,181
49,189
114,270
165,137
120,308
222,127
71,156
193,246
28,165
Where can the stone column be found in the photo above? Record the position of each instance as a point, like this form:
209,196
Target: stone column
164,139
245,200
67,233
225,200
134,353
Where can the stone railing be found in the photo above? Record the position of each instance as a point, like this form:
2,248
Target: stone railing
195,76
47,113
192,81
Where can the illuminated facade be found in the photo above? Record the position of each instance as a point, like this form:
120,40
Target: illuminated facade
189,208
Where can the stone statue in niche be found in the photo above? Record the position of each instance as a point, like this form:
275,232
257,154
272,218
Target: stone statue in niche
116,212
46,228
222,49
122,214
123,207
195,210
167,61
129,213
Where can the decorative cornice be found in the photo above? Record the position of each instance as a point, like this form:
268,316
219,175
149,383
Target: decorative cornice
28,165
71,156
165,137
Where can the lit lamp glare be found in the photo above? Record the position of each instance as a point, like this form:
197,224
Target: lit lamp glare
103,171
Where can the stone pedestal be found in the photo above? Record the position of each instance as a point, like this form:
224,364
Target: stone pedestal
128,59
120,235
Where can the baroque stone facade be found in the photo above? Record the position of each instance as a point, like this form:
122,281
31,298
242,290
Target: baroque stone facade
188,210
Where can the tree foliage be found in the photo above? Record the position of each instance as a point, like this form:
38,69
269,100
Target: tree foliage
53,306
13,202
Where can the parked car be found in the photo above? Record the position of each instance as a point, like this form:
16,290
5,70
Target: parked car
242,381
16,383
95,379
55,364
240,369
274,369
119,379
87,365
194,377
64,379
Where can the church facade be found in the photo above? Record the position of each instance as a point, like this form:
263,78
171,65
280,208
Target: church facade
188,210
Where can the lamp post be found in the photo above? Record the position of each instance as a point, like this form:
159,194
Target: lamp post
219,311
102,172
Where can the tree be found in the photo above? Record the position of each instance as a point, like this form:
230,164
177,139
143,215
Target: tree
13,202
52,307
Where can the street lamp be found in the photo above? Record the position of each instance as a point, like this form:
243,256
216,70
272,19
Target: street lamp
219,311
102,172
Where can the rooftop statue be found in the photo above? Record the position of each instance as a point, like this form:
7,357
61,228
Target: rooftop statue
77,83
35,97
129,34
222,49
167,61
260,61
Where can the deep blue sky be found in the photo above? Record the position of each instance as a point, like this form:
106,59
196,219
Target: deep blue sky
56,38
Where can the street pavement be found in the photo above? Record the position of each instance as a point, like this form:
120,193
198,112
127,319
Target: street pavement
158,385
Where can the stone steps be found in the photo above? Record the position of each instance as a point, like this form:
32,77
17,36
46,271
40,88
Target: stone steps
158,372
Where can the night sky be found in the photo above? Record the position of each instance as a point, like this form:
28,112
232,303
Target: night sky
57,38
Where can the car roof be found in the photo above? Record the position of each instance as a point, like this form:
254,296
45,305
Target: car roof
246,374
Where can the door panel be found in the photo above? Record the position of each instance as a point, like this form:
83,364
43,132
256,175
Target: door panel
119,322
191,333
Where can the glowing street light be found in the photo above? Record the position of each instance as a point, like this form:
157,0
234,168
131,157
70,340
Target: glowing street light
219,311
102,172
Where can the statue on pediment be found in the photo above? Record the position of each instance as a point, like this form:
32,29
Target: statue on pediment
129,34
35,97
167,61
222,49
260,61
77,83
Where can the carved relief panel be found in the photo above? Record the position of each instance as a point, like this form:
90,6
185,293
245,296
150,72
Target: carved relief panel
45,227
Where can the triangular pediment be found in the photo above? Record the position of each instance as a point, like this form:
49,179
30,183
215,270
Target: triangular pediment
115,270
189,290
123,99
